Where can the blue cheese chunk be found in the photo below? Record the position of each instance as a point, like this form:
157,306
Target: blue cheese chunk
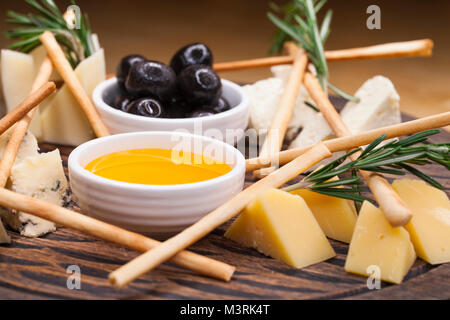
28,148
41,177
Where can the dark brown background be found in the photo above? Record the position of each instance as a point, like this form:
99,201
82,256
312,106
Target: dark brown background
238,29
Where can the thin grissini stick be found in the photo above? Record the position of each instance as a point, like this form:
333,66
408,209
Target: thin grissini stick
394,209
64,68
21,127
275,136
232,208
253,63
355,141
110,233
31,102
416,48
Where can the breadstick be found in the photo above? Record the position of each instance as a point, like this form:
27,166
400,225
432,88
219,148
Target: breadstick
102,230
355,141
416,48
65,70
280,122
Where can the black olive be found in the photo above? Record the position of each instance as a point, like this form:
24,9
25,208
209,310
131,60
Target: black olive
152,78
200,85
221,106
147,107
125,65
201,113
196,53
178,108
121,101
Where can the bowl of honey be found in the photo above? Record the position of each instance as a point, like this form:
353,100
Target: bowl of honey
155,182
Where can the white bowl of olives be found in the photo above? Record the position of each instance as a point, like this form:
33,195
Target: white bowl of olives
187,96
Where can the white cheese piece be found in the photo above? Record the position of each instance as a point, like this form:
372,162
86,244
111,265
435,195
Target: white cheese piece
39,55
265,96
28,148
63,120
282,72
41,177
18,73
319,130
4,237
379,106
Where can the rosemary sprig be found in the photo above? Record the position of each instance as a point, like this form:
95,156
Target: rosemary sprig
77,43
396,158
300,25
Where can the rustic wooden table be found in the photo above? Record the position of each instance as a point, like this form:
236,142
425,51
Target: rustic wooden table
36,269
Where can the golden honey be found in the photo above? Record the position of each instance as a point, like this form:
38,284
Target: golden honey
157,167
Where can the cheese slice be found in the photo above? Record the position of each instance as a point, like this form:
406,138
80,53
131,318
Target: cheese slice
430,225
18,73
38,55
379,107
265,96
280,225
376,244
28,148
63,120
337,217
40,177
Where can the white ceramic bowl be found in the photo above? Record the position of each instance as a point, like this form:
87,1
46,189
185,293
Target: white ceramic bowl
228,126
153,209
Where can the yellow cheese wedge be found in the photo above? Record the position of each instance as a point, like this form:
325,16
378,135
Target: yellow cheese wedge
337,217
63,120
375,244
430,225
18,73
280,225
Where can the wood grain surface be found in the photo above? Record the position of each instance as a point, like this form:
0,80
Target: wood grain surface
36,269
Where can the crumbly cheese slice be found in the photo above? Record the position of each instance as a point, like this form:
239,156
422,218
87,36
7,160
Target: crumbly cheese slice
18,73
41,177
38,55
63,120
28,148
265,96
379,107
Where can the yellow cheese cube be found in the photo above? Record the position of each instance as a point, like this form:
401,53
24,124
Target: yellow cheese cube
376,244
280,225
337,217
430,225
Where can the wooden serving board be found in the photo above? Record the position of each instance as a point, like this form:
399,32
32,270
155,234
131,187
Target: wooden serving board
36,269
